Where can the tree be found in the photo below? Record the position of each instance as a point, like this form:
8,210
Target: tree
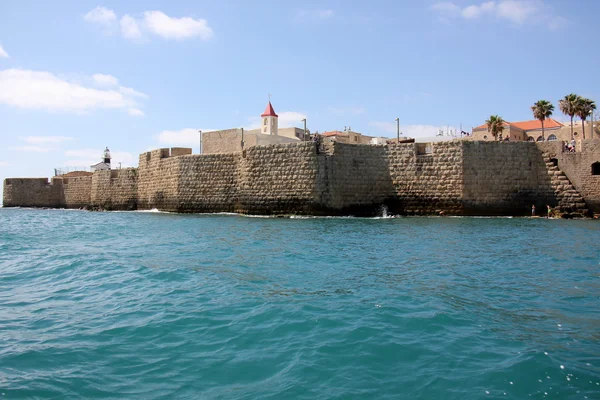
495,125
583,110
542,109
568,106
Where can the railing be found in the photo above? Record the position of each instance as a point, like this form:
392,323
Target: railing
65,170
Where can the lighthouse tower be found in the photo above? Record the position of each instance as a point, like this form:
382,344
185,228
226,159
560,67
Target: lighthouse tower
269,119
106,157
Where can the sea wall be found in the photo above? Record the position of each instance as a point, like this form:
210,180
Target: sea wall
278,179
427,177
33,192
457,177
115,189
76,191
579,168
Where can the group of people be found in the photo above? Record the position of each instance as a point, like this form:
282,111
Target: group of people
570,146
547,215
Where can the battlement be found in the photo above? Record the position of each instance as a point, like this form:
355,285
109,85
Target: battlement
333,178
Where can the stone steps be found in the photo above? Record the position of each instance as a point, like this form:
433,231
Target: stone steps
569,199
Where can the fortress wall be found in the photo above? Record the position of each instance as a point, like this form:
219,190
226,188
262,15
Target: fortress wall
578,168
427,177
226,141
33,192
354,179
277,179
505,178
115,189
207,182
76,191
158,181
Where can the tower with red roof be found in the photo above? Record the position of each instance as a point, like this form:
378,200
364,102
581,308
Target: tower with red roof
269,121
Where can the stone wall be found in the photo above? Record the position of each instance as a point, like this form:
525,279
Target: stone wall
33,192
278,179
505,179
207,183
354,179
230,140
76,191
578,168
158,180
115,189
456,177
427,177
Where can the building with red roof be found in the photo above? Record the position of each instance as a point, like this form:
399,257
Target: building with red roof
525,131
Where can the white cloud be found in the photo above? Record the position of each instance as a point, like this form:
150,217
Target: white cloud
44,90
130,29
516,11
133,93
100,15
105,80
4,164
341,111
93,156
183,137
135,112
46,139
31,149
414,131
167,27
3,53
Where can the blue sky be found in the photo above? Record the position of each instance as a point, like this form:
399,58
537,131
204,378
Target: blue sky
76,76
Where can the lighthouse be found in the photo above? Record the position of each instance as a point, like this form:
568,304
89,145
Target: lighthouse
106,156
105,164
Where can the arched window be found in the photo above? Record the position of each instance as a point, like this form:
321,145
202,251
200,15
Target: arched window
530,139
596,168
552,137
265,122
540,139
265,129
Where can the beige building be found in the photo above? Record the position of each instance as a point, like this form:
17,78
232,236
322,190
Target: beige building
348,136
532,131
237,139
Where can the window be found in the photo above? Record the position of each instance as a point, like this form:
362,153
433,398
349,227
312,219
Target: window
265,129
574,133
265,122
552,137
540,139
356,138
485,137
530,139
596,168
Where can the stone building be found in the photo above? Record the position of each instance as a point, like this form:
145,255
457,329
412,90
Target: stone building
532,131
348,136
230,140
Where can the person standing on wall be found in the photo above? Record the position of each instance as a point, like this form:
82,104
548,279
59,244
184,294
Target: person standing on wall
533,210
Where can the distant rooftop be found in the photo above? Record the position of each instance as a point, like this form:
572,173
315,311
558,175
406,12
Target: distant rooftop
530,125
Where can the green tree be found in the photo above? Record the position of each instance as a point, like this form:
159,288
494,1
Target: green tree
568,106
495,125
542,109
583,110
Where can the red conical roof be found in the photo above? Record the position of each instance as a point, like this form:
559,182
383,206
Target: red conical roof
269,112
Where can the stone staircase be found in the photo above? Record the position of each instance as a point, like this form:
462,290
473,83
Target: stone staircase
569,199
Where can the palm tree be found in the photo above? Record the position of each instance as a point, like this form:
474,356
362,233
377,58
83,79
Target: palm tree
495,125
583,110
568,106
542,109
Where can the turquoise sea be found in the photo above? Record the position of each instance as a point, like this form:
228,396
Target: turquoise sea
166,306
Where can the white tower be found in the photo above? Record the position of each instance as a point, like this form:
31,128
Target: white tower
269,120
106,156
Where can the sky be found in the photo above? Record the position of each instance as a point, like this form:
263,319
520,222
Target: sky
78,76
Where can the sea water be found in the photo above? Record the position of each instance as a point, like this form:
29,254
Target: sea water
165,306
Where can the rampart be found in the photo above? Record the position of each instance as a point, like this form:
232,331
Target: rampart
456,178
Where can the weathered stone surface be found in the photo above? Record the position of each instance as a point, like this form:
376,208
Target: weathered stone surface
461,178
